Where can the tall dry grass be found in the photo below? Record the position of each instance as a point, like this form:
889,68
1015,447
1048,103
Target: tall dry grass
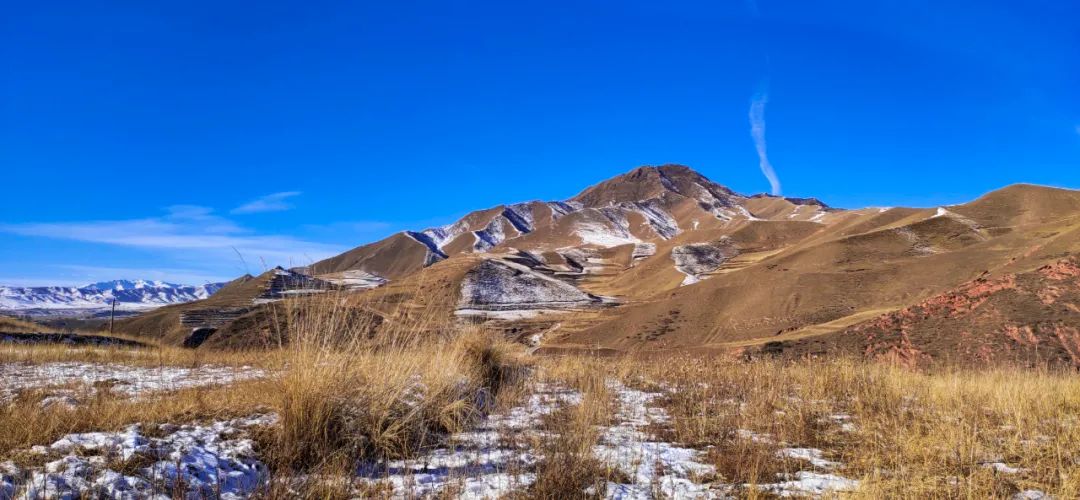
349,395
908,435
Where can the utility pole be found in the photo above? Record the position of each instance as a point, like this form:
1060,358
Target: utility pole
112,316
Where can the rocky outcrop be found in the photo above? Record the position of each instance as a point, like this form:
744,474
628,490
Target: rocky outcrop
497,284
1027,318
699,259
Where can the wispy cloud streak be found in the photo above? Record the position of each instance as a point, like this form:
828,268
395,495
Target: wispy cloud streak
192,232
757,131
276,202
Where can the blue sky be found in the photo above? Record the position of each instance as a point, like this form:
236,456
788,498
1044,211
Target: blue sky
195,141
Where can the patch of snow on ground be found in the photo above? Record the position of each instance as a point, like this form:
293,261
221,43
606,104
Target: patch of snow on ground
659,219
479,463
508,314
192,461
643,251
434,253
812,455
1002,467
128,380
604,236
805,483
1031,495
746,213
696,260
357,280
503,285
491,236
648,463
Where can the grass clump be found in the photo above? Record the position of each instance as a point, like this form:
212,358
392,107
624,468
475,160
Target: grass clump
345,399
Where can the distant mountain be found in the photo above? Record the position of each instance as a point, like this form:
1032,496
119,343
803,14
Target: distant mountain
130,295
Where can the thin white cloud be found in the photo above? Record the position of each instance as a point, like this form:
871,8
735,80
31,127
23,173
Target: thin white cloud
187,233
275,202
757,131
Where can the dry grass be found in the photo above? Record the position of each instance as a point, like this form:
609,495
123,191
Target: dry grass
569,467
343,396
911,434
152,356
26,422
15,325
347,396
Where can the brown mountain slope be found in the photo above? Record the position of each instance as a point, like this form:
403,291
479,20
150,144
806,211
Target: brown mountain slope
392,258
647,204
833,274
1021,204
1030,318
662,258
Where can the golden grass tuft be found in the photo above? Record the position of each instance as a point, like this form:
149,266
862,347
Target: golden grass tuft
347,396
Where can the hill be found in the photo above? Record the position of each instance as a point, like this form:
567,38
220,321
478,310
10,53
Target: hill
664,259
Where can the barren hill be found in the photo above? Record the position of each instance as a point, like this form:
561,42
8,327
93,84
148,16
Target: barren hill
1030,318
662,258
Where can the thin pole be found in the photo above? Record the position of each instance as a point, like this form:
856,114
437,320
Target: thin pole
112,316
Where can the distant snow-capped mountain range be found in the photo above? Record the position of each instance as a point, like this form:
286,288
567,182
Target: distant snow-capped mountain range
130,295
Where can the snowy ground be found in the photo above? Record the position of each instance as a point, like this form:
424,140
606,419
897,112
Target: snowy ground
481,463
498,457
484,463
191,461
649,464
127,380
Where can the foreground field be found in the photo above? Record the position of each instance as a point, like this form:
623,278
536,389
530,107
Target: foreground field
475,417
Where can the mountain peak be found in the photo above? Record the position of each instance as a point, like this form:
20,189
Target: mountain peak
129,285
648,182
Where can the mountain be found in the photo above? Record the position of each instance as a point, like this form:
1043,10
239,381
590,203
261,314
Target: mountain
130,295
664,259
1030,318
646,205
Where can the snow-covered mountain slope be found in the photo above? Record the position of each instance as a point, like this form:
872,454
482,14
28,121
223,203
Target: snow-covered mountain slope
647,205
130,295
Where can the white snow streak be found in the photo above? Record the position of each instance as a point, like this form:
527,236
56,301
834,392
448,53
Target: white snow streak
128,380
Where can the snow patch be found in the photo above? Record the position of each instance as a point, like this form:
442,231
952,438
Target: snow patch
648,463
813,455
434,252
132,381
497,284
481,463
806,483
697,260
658,219
643,251
356,280
192,461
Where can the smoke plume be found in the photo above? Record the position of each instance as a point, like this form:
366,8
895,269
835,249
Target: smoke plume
757,131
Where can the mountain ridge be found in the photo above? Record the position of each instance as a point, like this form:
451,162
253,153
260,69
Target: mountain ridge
130,295
663,259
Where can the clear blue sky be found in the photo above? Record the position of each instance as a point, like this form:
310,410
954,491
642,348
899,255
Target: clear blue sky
148,139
